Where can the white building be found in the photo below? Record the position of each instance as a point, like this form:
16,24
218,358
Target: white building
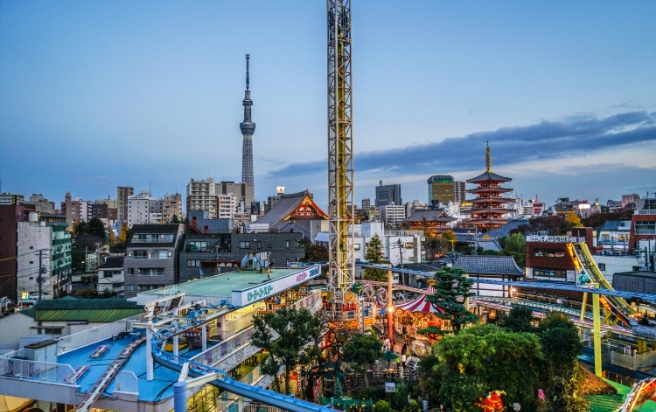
401,246
226,206
143,209
393,214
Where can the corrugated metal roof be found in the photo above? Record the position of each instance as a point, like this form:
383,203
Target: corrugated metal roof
488,265
88,315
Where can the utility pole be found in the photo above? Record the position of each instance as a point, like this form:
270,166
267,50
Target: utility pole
40,279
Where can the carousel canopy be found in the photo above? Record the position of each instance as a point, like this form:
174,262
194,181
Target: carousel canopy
420,304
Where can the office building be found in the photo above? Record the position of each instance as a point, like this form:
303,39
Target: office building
243,191
393,215
388,194
226,206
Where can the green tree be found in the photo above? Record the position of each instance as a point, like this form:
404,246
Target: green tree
362,350
485,358
96,228
175,219
81,228
451,291
517,320
314,252
375,254
515,246
561,346
284,334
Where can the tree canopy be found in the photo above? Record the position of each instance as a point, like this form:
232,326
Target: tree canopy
284,334
517,320
374,254
362,350
451,290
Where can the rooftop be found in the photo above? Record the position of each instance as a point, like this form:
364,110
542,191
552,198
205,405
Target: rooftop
489,265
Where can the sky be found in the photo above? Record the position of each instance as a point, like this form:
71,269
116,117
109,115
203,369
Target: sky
148,94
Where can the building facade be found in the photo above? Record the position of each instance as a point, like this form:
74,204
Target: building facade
172,206
122,195
393,215
388,194
244,193
151,257
201,195
144,209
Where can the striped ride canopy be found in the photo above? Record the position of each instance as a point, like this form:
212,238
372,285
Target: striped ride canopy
420,304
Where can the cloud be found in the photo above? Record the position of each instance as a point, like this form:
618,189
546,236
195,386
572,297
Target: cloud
573,137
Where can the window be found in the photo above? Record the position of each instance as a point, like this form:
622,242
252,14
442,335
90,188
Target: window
50,331
551,273
140,254
269,245
31,262
198,246
409,245
193,263
107,273
356,246
130,271
150,271
602,266
549,253
637,268
259,244
287,244
161,254
245,245
645,228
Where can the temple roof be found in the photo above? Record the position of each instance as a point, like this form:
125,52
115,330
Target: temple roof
484,177
491,199
484,189
490,210
287,205
488,265
431,215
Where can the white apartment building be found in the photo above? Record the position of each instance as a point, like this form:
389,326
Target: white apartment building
143,209
226,206
201,195
393,214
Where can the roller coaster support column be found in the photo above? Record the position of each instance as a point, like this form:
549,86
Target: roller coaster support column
203,334
390,306
149,354
583,305
597,334
175,338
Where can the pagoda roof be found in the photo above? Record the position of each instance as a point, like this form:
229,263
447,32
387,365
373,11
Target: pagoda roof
483,189
491,199
487,176
490,209
431,215
487,220
288,207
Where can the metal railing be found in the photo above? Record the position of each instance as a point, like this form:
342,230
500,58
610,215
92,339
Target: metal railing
96,334
127,381
39,371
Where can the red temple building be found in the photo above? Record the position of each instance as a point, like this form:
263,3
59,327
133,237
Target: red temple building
488,211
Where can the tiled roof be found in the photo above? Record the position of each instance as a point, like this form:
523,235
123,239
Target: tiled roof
488,265
285,206
489,176
430,215
503,231
489,244
90,310
423,267
113,262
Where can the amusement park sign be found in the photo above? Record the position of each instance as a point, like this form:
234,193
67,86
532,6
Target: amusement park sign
552,239
253,294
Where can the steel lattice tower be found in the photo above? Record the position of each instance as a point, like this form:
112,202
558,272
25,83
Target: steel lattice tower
247,129
340,146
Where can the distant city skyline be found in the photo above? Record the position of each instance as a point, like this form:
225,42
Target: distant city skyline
149,95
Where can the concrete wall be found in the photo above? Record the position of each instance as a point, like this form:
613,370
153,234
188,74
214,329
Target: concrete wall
32,237
19,325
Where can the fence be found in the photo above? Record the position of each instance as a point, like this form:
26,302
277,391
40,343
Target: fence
95,334
39,371
127,381
622,356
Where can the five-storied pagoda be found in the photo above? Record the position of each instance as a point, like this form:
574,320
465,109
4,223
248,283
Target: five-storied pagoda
488,211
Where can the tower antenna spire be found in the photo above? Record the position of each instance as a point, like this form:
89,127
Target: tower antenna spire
248,58
488,158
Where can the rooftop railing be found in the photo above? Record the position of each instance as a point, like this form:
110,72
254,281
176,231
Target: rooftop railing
96,334
39,371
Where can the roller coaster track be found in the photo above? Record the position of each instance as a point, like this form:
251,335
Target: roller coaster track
223,381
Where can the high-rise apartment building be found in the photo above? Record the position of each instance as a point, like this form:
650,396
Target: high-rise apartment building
171,205
388,194
201,195
393,215
366,203
122,194
143,209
